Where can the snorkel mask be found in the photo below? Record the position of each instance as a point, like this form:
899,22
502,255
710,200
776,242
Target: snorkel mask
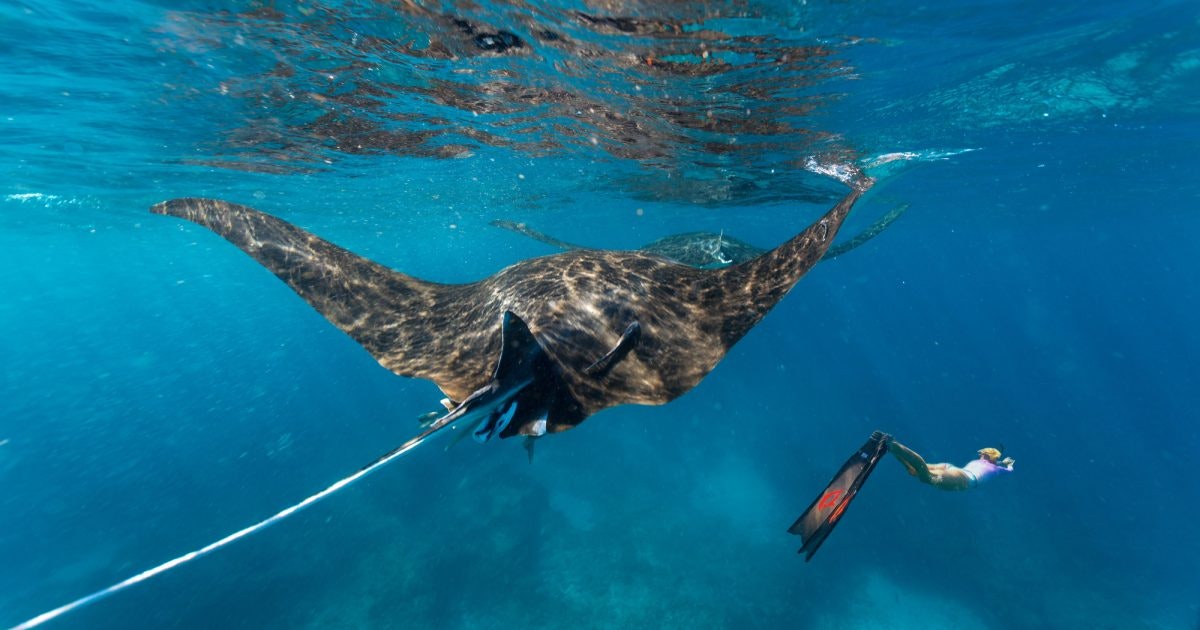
990,454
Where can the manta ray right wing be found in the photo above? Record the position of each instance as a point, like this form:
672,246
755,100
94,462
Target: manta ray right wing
412,327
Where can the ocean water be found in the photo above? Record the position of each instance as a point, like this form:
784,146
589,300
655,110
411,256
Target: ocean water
160,390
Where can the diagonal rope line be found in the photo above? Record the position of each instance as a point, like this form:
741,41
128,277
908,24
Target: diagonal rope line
378,463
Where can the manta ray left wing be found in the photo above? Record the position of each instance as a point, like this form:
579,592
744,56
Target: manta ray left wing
412,327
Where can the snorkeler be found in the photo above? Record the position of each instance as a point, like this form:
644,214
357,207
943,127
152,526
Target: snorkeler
948,476
826,511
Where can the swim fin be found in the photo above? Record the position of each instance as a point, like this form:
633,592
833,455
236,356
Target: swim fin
818,521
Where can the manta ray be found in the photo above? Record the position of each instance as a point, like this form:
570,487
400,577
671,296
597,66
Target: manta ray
710,249
543,344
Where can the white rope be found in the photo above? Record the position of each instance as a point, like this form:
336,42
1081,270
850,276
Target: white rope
242,533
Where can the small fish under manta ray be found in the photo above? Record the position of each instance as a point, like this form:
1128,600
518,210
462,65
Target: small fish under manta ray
534,349
541,345
710,250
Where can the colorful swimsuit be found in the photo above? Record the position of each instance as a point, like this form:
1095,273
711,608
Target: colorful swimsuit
980,470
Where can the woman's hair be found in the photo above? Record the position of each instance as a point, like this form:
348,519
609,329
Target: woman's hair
990,454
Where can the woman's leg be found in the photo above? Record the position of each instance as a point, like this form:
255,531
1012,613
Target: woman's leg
914,463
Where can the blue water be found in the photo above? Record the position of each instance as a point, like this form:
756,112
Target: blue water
161,390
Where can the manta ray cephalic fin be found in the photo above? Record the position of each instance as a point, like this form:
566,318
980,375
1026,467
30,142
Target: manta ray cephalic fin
522,385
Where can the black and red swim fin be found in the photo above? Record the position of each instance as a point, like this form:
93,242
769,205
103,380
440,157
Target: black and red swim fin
815,525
